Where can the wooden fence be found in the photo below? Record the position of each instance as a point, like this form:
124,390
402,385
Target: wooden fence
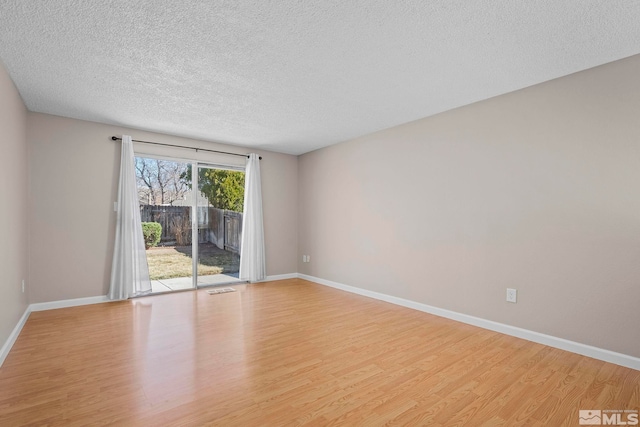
221,227
232,231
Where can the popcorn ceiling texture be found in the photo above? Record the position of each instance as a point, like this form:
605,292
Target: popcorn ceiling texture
294,76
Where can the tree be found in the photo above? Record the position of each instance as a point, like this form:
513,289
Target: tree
223,188
160,182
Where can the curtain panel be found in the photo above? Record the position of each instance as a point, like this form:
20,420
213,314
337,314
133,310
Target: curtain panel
129,270
252,255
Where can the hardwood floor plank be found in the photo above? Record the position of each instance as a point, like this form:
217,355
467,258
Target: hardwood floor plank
290,353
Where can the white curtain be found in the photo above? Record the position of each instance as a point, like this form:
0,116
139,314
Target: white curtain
252,261
129,271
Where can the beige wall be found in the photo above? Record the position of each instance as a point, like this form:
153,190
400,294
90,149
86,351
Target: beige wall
74,173
13,206
537,190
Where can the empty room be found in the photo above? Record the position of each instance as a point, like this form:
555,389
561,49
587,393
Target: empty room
358,213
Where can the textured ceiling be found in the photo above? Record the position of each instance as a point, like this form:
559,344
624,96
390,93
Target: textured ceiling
293,76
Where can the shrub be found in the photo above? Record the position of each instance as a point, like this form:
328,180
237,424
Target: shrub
152,231
181,226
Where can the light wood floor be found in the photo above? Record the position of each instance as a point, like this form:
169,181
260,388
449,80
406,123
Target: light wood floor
290,353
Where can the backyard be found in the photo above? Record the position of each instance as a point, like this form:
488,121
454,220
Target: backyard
173,214
168,262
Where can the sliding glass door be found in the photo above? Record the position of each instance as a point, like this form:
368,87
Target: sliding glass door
192,237
165,208
219,226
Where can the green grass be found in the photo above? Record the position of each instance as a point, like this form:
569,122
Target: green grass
175,261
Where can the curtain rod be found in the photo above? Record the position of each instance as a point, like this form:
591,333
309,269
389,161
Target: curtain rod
115,138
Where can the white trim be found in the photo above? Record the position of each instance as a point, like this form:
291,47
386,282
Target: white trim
561,343
41,306
280,277
13,336
159,152
551,341
220,166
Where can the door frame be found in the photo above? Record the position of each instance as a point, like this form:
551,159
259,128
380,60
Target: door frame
195,165
195,168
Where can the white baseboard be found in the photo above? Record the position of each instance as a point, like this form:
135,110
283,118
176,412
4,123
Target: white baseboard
281,277
560,343
6,348
41,306
551,341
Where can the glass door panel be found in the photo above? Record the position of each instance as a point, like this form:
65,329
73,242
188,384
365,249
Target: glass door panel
220,200
166,200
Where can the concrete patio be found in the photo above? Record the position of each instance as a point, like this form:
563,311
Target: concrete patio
182,283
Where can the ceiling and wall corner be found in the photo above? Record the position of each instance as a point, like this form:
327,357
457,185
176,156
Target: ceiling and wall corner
293,76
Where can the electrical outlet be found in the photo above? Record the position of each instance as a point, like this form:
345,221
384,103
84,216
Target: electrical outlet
304,258
512,295
308,258
23,286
